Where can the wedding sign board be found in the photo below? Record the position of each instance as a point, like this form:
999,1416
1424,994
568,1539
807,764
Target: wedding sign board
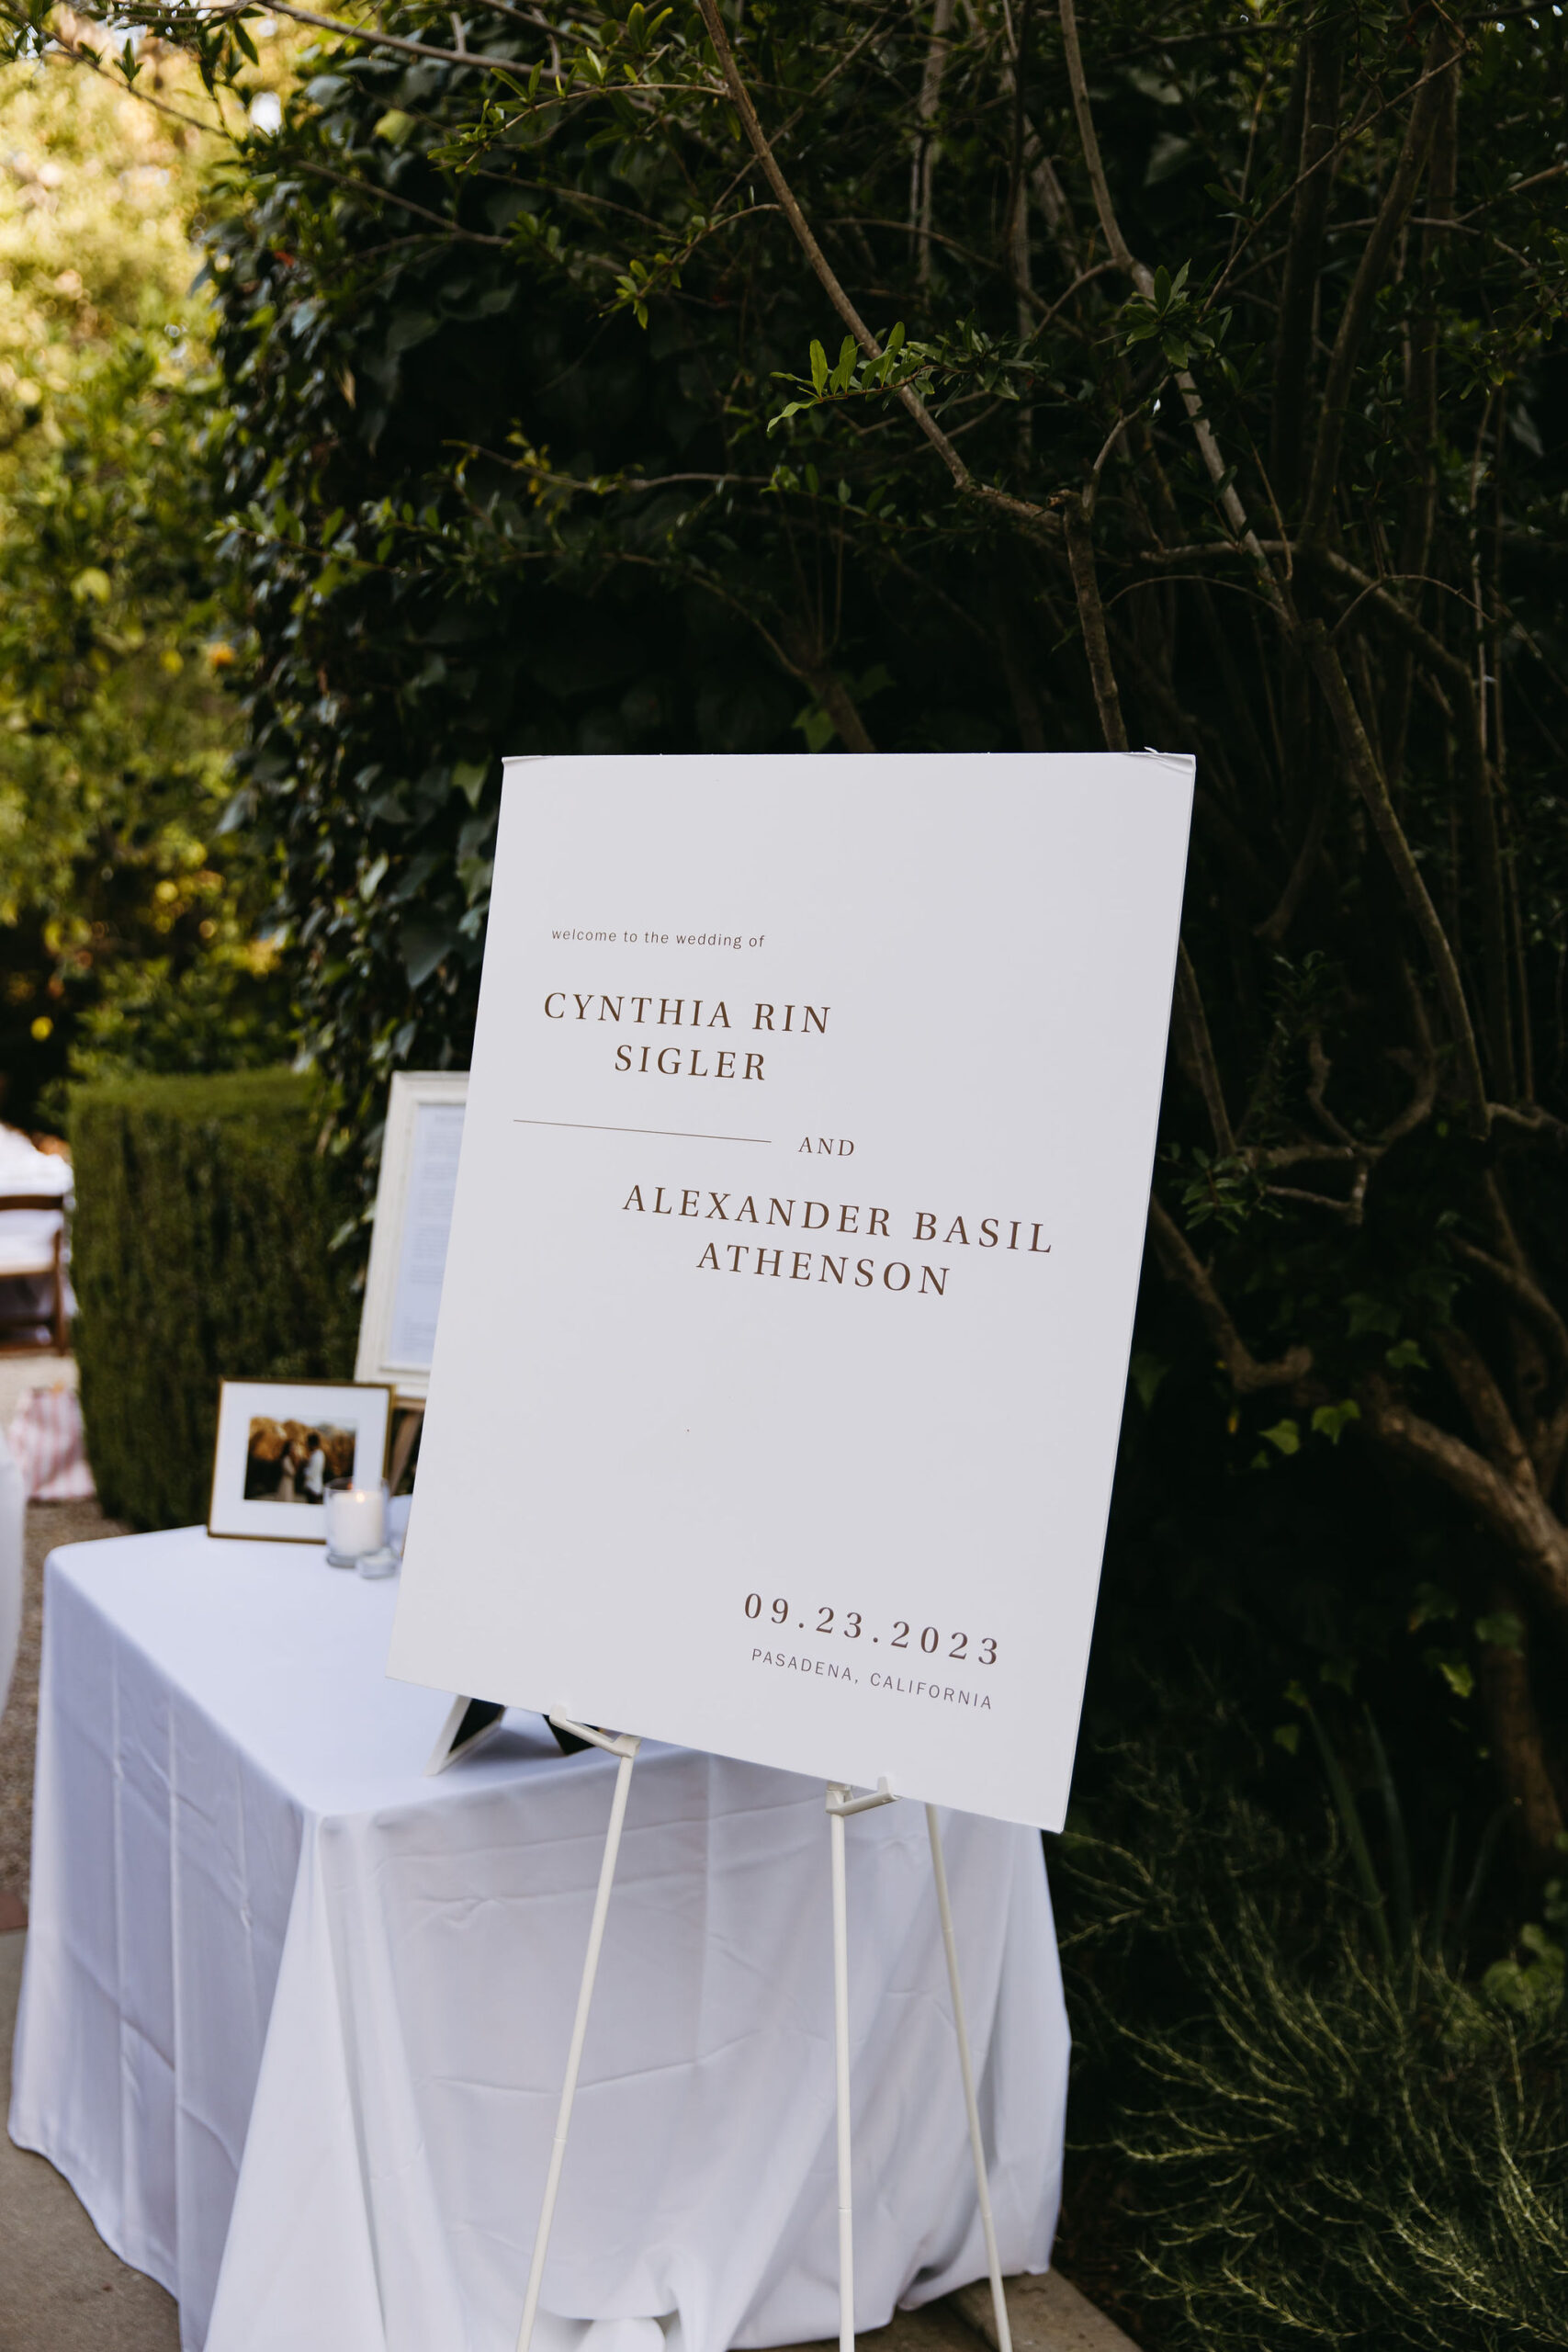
783,1336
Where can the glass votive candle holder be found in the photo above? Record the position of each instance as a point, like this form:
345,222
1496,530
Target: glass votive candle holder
356,1520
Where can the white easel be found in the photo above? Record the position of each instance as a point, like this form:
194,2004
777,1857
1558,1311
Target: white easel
841,1802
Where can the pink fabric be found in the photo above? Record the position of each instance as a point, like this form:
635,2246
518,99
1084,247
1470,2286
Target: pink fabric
46,1439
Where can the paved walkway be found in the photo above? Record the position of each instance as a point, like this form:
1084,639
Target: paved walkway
47,1524
28,1370
61,2289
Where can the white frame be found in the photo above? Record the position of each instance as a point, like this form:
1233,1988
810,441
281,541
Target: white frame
411,1091
242,1401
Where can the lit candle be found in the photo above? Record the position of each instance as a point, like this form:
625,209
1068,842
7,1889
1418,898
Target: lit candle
356,1522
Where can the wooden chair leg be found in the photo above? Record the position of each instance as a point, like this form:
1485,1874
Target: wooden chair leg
57,1318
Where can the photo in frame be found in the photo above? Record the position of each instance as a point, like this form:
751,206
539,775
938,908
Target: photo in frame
413,1218
280,1443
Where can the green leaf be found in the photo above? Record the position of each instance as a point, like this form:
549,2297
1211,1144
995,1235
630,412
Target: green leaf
394,126
468,778
819,368
425,948
1286,1435
1331,1420
816,726
1502,1631
409,327
1146,1372
1288,1736
1456,1671
1405,1356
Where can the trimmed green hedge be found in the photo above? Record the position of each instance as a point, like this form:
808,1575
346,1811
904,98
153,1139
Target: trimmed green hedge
201,1250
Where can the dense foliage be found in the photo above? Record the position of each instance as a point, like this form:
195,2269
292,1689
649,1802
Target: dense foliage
1214,397
1324,2131
201,1252
128,927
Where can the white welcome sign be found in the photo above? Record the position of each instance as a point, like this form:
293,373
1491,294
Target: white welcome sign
783,1337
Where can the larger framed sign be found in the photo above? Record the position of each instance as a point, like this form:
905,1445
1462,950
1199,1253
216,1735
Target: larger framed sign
413,1218
783,1336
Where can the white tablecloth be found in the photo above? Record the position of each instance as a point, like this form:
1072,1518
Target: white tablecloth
294,2018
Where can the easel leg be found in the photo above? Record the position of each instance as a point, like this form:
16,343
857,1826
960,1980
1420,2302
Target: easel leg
626,1748
841,2055
965,2066
841,1802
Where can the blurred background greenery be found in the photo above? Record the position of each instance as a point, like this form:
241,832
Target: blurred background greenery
370,413
129,925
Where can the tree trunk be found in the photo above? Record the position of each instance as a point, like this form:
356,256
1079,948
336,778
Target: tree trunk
1518,1748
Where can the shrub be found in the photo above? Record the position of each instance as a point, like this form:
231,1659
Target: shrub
202,1251
1326,2132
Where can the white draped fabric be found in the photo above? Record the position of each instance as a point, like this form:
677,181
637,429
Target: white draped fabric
27,1235
294,2018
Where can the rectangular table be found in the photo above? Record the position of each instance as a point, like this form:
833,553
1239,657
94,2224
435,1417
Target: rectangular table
294,2018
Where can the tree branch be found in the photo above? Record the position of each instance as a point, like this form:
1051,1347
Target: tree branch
1092,619
1534,1123
1442,54
1484,1402
1143,278
1525,1296
374,38
1369,781
1039,519
1515,1514
1182,1266
1304,248
923,169
1200,1049
1476,782
1517,1740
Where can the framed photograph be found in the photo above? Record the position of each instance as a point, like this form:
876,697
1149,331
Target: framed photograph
414,1218
279,1442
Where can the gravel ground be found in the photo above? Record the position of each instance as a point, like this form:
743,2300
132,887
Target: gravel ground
48,1525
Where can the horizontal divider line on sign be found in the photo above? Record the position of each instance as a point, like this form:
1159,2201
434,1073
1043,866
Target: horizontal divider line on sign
683,1135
